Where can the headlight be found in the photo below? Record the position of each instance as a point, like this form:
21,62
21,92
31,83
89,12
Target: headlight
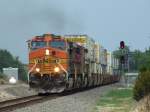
37,69
47,52
56,69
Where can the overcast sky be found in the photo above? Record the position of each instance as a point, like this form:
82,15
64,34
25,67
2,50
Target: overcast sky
107,21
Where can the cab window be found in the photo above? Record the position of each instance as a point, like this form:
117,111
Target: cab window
58,44
38,44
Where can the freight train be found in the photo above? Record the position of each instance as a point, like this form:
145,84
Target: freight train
61,63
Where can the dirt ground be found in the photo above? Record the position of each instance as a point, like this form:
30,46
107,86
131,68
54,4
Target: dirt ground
143,105
11,91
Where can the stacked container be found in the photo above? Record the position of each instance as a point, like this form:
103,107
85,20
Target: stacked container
103,59
89,44
97,67
112,63
94,49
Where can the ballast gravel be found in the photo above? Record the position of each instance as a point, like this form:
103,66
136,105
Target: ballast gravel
78,102
18,90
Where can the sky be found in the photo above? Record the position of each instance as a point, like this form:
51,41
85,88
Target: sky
106,21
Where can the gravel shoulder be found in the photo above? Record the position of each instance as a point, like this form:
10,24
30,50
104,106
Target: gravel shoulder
9,91
78,102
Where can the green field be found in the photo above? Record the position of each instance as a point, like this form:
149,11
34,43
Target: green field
117,100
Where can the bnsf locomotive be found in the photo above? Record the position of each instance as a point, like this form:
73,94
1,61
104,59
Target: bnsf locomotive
59,63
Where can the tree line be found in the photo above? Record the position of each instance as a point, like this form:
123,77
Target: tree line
142,59
8,60
138,59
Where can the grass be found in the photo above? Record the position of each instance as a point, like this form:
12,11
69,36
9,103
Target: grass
117,100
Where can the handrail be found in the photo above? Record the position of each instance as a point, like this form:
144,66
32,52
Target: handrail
35,63
63,70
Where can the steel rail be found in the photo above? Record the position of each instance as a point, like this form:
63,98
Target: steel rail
9,105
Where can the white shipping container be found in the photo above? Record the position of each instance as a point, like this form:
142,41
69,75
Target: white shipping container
112,63
97,52
109,63
115,62
103,56
11,72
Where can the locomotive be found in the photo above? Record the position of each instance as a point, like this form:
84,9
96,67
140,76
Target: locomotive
60,63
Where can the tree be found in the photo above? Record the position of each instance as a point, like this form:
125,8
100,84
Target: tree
120,52
139,59
7,60
142,59
142,84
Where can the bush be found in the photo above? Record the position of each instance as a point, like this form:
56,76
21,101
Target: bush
22,72
2,76
142,85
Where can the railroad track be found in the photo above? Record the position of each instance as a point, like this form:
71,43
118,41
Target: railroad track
9,105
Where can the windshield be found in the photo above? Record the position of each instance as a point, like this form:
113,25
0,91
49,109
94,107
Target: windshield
38,44
58,44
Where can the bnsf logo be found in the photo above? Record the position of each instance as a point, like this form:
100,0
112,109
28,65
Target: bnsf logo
42,60
48,60
39,61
